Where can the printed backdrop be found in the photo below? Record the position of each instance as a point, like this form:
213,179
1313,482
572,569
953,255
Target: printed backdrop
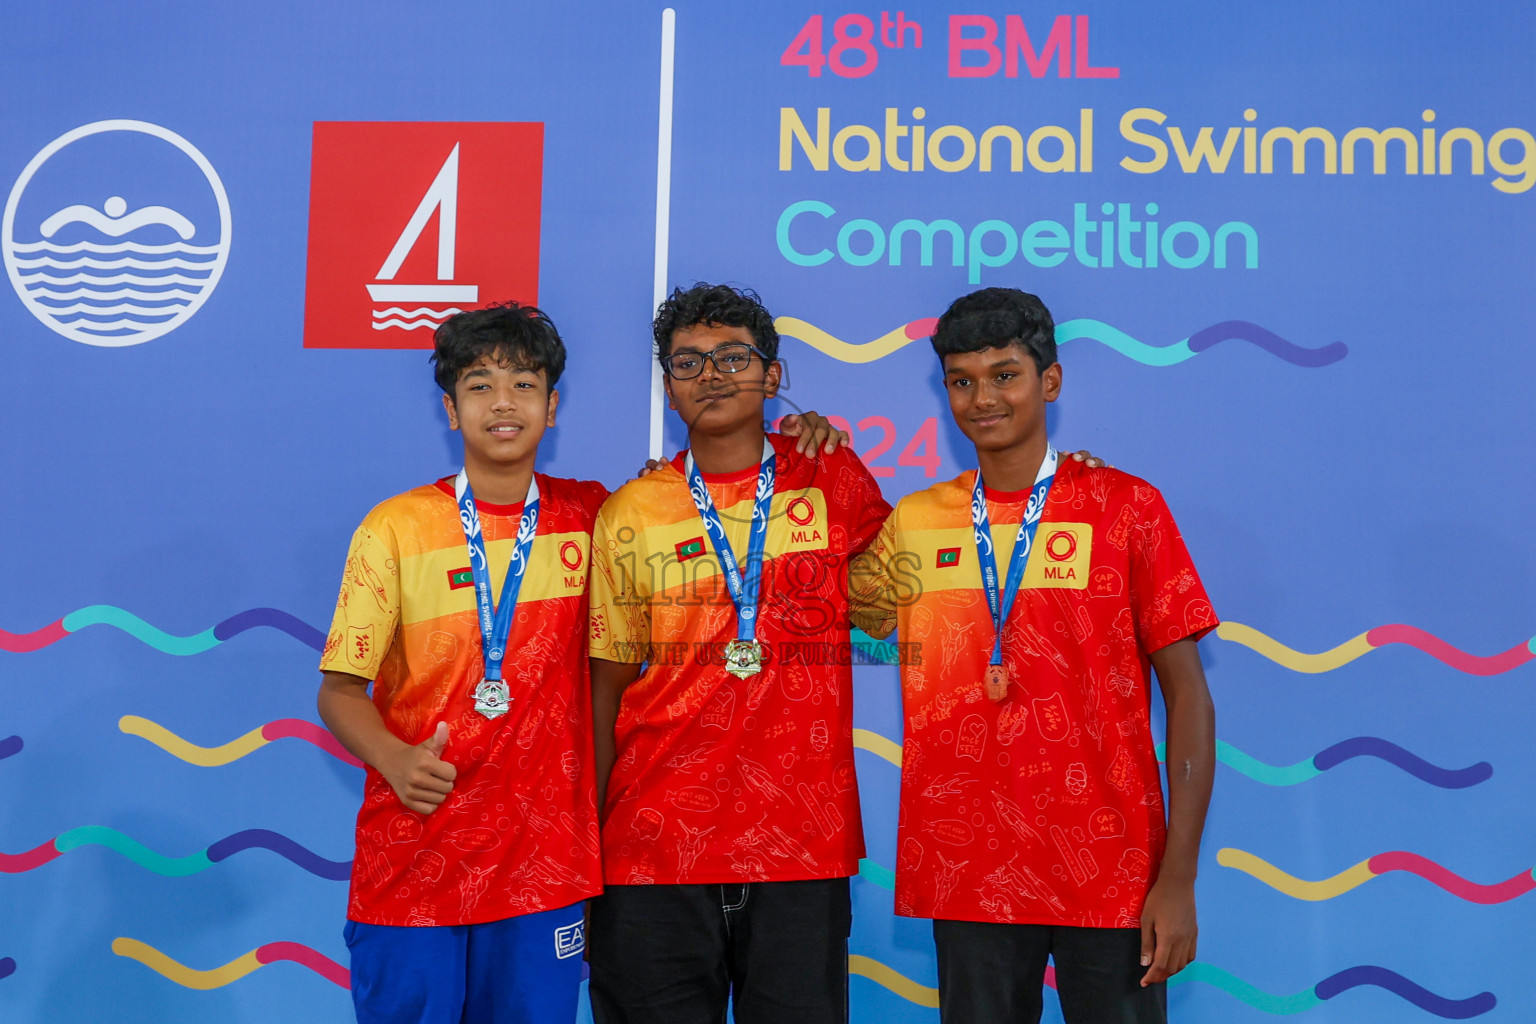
1290,252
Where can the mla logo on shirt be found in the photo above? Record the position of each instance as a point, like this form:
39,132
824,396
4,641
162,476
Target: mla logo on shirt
410,223
570,555
800,511
1061,545
122,239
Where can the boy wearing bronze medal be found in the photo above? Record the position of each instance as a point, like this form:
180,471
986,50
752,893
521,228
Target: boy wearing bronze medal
1032,821
731,819
464,604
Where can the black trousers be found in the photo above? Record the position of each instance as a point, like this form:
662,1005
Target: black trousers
992,974
674,954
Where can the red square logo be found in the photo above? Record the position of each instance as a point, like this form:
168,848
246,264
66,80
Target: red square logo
410,222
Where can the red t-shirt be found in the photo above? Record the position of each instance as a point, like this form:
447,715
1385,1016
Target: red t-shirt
518,834
720,779
1045,808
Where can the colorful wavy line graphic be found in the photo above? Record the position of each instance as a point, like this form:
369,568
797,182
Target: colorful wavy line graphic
218,977
1074,330
1373,639
10,747
7,967
167,643
234,750
1332,757
1375,867
176,867
867,739
1329,988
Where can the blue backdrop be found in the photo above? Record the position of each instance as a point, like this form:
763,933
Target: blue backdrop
1326,372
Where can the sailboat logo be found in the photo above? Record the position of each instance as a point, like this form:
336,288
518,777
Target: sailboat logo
443,198
119,240
411,222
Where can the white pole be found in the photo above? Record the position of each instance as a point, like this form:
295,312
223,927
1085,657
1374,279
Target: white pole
663,212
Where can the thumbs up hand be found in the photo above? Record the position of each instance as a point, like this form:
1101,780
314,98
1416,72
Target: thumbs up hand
418,775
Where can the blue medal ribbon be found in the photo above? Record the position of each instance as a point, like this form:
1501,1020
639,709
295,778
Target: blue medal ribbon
496,618
1002,604
744,593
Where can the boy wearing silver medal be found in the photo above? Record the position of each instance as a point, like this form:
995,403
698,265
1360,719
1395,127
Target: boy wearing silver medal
464,605
1032,822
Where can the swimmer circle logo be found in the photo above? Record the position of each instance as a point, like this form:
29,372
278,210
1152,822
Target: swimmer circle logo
119,243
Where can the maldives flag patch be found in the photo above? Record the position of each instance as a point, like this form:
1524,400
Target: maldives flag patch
690,549
458,579
948,558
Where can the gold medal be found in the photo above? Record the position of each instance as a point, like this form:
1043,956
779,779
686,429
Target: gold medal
997,683
743,658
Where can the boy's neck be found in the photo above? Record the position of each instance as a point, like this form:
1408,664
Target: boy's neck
727,453
1012,468
499,484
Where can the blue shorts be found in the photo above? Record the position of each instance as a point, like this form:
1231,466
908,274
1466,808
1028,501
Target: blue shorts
521,970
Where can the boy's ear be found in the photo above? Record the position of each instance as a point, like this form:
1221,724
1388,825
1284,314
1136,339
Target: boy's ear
452,410
771,379
666,385
554,400
1050,382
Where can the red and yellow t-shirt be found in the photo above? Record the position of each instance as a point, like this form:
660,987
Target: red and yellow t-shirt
518,834
1045,808
720,779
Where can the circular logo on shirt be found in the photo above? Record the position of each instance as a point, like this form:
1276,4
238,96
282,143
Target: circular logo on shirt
570,555
800,511
1061,545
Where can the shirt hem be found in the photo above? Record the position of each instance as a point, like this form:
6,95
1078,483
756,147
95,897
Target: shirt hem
486,918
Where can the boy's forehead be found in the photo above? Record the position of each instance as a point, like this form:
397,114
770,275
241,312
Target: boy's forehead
709,336
1003,352
505,362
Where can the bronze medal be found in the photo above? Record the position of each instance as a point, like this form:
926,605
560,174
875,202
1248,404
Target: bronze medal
997,683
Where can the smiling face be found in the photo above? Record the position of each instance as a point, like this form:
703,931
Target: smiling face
997,396
502,410
716,403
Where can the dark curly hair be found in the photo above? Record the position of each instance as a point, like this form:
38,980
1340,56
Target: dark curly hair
714,304
993,318
523,336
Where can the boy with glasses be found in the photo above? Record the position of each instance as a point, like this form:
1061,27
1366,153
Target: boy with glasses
730,815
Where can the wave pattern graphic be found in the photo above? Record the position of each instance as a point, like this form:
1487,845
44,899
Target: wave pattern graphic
1375,867
151,636
175,867
1346,750
234,750
1281,1005
1374,639
218,977
96,307
1080,329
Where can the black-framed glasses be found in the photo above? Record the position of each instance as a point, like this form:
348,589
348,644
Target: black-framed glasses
732,358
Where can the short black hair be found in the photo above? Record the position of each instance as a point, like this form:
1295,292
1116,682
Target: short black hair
714,304
995,318
522,336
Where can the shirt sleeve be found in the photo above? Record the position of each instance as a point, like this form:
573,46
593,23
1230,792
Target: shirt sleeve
619,628
1167,597
863,509
872,584
368,607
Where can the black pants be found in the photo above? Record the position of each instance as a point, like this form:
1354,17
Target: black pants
674,954
993,973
